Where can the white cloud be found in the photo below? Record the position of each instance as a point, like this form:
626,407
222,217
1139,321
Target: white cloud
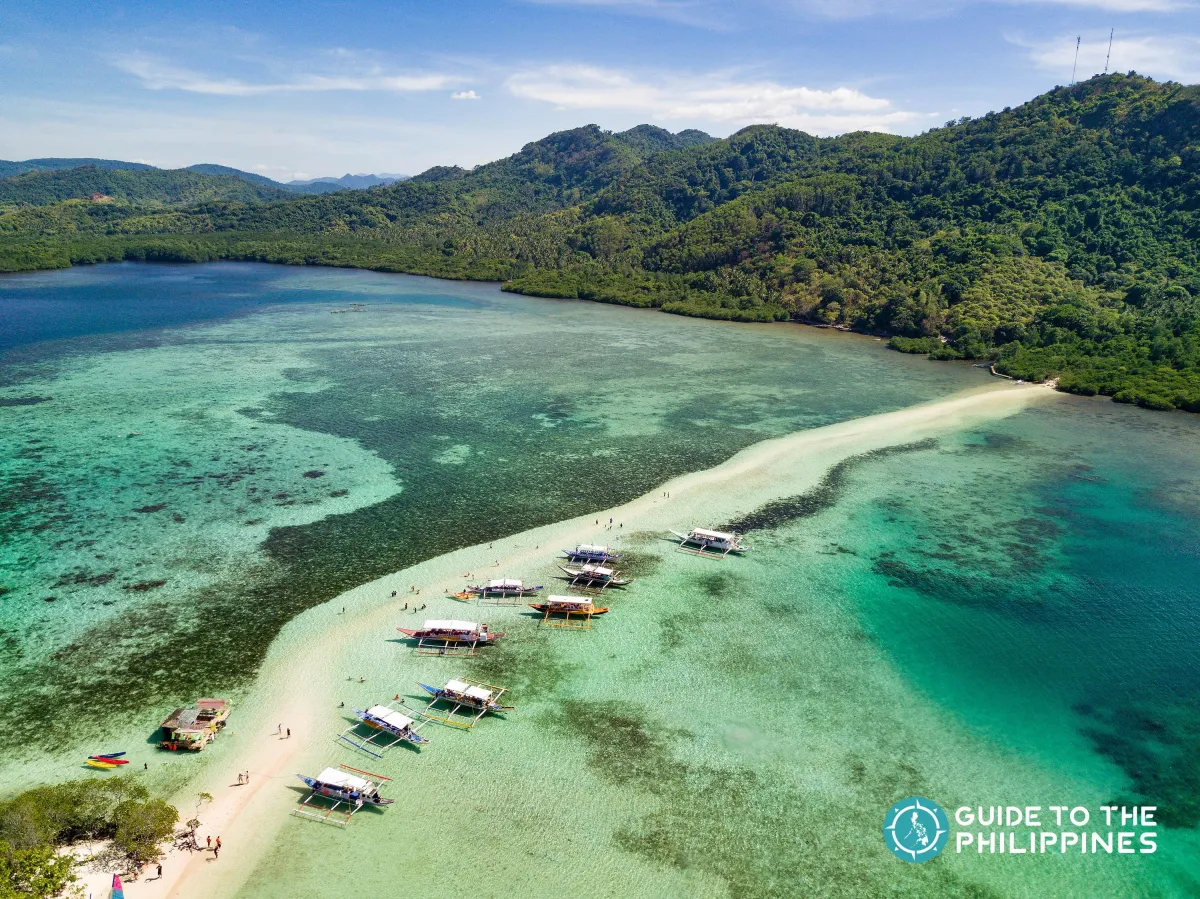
702,13
717,97
1175,57
924,9
157,74
1128,6
465,95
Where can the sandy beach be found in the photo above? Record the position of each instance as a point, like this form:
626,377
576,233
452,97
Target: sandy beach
325,648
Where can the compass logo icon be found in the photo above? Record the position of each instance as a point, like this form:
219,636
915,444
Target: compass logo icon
916,829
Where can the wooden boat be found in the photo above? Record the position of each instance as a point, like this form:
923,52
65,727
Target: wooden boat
383,720
568,611
590,552
450,637
196,726
594,576
501,588
349,789
465,701
703,542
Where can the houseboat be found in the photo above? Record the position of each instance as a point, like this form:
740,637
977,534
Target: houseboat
710,543
196,726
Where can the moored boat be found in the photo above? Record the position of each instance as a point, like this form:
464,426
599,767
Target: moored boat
590,552
594,576
568,611
444,636
101,764
462,694
383,720
349,789
501,588
705,542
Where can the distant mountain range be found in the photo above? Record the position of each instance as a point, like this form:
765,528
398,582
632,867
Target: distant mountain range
328,184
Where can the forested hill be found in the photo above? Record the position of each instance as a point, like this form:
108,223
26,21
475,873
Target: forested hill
1058,239
140,187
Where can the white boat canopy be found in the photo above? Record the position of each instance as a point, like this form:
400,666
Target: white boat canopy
568,602
478,693
335,778
505,582
457,686
591,548
391,716
448,624
597,569
714,535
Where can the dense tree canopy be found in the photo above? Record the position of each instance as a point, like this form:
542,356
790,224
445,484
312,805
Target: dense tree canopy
1060,239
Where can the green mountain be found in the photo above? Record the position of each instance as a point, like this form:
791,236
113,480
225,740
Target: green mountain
143,187
1059,239
9,168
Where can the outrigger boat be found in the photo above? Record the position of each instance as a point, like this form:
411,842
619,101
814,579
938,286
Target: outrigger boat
703,542
383,719
590,552
349,789
594,576
449,637
475,698
569,607
502,588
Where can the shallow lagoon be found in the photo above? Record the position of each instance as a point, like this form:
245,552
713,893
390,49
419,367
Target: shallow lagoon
995,616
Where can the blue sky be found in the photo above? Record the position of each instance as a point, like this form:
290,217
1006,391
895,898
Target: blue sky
303,88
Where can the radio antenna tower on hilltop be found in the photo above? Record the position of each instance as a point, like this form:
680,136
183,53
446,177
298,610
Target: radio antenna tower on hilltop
1109,56
1075,64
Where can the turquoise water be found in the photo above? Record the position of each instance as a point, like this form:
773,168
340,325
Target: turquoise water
230,451
1005,615
1002,616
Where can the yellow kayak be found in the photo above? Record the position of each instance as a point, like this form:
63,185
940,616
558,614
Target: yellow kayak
96,763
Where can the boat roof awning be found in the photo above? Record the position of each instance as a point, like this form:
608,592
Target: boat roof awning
450,624
505,582
569,602
391,716
598,569
457,686
714,535
591,548
337,778
478,693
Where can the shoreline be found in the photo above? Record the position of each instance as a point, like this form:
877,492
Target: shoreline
385,270
323,640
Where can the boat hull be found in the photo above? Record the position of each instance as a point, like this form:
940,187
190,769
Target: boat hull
449,638
352,796
465,701
546,609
